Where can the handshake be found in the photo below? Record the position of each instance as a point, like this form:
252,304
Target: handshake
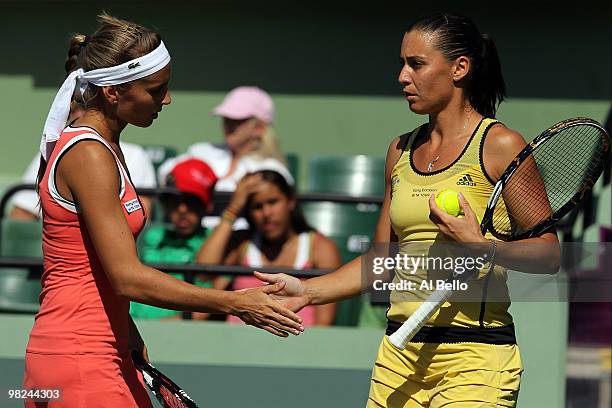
272,307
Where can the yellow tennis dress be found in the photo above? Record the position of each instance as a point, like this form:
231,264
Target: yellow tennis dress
466,356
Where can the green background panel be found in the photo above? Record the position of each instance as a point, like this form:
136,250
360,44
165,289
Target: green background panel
308,125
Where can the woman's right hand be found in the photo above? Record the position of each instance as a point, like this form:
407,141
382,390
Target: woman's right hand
256,307
248,185
293,295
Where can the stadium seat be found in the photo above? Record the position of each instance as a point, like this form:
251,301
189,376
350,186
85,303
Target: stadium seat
21,238
351,175
351,227
18,294
293,163
159,153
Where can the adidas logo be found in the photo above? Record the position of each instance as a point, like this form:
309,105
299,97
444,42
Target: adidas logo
466,180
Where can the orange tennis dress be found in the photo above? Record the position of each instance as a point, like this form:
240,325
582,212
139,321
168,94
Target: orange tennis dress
79,342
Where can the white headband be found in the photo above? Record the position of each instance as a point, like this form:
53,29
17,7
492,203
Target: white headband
128,71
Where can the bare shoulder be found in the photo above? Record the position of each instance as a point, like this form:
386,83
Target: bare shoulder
325,252
90,152
503,139
89,162
501,146
322,243
397,145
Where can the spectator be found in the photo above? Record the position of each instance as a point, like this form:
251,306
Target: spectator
179,242
250,138
279,236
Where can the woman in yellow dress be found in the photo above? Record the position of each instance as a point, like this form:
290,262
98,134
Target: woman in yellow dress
466,355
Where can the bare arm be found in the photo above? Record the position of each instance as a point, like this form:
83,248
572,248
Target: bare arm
345,282
18,213
88,175
539,254
222,246
325,256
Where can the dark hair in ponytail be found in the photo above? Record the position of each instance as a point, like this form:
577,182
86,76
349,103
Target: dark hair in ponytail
457,36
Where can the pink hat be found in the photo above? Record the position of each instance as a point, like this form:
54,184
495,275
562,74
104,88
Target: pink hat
246,102
195,177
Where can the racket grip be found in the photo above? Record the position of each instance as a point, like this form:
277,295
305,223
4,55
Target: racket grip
418,319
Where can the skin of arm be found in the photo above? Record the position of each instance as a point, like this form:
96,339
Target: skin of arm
224,244
18,213
88,175
345,282
538,255
222,247
325,255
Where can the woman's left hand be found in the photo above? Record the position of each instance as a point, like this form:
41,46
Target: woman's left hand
464,229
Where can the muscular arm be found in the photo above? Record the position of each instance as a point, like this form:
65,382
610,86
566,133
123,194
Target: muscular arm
101,210
222,246
539,254
325,256
88,175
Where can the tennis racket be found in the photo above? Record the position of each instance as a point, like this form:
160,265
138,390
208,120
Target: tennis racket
544,182
165,390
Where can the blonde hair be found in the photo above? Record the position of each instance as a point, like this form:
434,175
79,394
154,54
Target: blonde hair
115,41
268,146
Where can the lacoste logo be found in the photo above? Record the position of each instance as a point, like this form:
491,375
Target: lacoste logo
133,65
466,180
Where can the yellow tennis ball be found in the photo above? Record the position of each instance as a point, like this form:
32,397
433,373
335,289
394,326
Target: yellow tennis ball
448,201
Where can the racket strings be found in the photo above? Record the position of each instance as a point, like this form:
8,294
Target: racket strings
548,179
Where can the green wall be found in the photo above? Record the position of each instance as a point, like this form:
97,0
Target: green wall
307,124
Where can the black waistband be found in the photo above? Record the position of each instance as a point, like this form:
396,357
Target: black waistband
435,334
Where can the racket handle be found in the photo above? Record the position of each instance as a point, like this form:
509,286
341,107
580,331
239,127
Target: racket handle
418,319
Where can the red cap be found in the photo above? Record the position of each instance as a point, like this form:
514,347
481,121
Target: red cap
195,177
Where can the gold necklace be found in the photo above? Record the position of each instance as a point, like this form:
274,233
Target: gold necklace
431,162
